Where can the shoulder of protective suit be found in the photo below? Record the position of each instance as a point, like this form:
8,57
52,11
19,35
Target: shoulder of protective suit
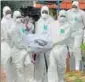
51,18
40,19
3,20
83,12
69,10
54,23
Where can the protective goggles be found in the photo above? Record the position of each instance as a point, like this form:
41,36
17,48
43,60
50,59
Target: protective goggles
74,6
8,12
44,12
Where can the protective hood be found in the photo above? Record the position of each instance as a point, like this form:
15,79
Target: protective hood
76,4
5,9
17,16
44,12
62,16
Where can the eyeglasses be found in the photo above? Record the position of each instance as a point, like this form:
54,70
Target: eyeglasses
44,12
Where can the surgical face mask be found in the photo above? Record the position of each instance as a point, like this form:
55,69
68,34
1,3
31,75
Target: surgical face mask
18,20
62,19
74,9
44,16
8,16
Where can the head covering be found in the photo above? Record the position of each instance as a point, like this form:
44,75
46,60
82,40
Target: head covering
44,9
62,16
76,3
62,12
16,14
5,9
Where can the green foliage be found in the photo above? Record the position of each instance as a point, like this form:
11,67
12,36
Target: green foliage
78,80
83,46
70,75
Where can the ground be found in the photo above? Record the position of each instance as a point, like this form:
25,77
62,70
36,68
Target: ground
73,76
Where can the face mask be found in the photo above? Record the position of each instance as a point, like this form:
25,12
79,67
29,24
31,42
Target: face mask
62,19
18,20
8,16
44,16
74,9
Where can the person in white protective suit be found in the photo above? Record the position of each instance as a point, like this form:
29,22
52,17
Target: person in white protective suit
76,17
42,59
20,56
5,42
59,32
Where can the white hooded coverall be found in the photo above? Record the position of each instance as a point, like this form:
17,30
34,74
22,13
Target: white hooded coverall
5,27
60,33
6,44
77,18
42,28
19,55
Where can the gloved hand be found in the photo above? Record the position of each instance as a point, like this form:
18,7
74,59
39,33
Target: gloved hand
27,60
